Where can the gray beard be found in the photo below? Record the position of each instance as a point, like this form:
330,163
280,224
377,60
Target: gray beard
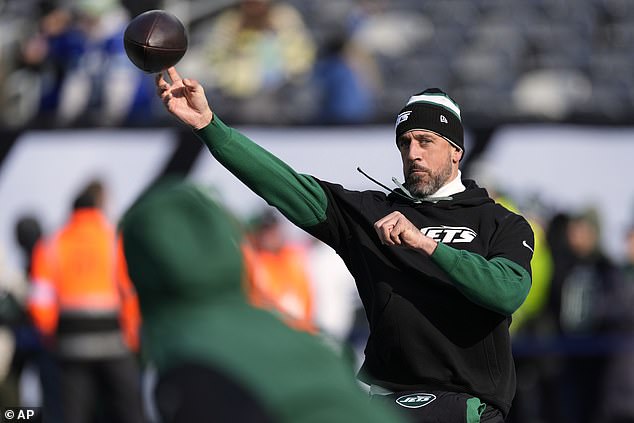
422,186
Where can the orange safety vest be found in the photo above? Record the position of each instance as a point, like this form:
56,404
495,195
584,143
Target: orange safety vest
82,269
279,282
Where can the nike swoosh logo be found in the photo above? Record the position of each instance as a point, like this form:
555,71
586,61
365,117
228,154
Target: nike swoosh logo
527,246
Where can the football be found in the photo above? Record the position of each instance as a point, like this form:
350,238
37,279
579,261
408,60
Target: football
155,40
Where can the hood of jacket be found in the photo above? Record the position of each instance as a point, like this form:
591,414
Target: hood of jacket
181,247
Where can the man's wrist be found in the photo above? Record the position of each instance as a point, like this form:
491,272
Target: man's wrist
428,245
205,120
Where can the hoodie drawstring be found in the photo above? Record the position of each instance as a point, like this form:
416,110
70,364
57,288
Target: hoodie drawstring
405,192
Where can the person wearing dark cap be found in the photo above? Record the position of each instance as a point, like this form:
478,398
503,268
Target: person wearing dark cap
439,266
219,359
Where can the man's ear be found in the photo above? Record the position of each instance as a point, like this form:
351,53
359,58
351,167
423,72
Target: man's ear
456,156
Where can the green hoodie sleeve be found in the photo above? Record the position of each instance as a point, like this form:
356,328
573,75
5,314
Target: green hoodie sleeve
498,284
299,197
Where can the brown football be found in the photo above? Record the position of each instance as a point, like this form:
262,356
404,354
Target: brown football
155,40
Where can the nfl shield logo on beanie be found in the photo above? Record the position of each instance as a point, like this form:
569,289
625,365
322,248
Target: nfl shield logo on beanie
432,110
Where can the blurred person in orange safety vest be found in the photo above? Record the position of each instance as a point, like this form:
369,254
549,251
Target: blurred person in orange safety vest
85,307
278,278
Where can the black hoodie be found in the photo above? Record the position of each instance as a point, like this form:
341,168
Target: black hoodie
437,322
424,332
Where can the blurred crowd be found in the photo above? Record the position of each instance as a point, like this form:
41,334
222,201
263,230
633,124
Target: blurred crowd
62,62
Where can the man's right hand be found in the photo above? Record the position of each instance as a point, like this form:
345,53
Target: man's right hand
185,99
396,229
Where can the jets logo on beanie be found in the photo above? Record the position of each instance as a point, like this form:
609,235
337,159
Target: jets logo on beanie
435,111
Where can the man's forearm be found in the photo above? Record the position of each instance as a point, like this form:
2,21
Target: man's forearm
497,284
299,197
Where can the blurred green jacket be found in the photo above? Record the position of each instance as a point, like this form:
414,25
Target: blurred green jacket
183,253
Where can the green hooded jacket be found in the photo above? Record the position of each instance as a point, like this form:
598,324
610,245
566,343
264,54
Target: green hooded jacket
184,257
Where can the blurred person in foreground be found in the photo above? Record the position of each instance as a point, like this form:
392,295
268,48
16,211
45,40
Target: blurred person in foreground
219,358
439,266
86,310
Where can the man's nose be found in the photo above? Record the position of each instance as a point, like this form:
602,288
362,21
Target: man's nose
414,152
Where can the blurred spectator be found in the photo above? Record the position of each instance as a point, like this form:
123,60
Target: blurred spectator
398,40
33,87
583,278
258,54
618,383
31,354
279,278
346,82
102,87
551,94
388,31
28,232
535,377
220,359
85,307
16,19
13,289
75,70
524,318
335,293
